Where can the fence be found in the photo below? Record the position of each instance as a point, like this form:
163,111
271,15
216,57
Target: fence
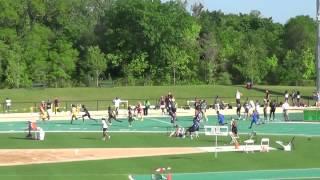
96,105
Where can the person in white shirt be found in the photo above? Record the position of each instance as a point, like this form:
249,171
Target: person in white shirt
178,132
298,98
8,104
286,96
116,103
285,107
257,106
104,130
238,96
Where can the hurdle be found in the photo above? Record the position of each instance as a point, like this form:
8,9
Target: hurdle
216,131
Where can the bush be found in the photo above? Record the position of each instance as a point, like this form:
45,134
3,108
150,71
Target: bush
224,79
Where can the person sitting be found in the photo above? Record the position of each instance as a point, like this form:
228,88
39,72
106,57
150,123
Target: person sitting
194,129
178,132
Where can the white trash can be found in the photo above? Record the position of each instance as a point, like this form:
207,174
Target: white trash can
40,134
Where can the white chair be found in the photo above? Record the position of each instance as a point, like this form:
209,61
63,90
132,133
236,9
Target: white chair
287,147
249,145
264,145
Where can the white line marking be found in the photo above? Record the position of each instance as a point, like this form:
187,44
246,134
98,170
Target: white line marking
250,171
134,131
313,177
165,122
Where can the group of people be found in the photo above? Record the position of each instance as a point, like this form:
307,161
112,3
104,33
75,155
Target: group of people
252,108
168,106
46,109
191,131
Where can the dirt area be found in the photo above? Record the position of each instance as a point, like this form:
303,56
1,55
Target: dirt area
11,157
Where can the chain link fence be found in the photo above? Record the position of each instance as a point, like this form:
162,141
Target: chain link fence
98,105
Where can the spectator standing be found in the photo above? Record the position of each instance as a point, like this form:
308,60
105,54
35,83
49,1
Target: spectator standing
238,96
272,109
162,105
293,97
286,96
8,104
49,108
285,107
267,97
146,107
265,110
257,107
56,104
217,103
246,106
298,98
116,103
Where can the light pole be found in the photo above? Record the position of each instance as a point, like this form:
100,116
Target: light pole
318,46
174,75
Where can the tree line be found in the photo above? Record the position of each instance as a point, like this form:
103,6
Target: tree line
149,42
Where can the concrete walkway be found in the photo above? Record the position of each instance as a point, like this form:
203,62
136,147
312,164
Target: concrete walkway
7,117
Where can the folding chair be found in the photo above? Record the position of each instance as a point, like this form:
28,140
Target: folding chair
287,147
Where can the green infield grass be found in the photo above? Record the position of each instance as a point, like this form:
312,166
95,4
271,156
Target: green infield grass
99,98
304,156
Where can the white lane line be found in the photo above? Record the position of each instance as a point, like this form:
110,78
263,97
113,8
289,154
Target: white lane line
165,122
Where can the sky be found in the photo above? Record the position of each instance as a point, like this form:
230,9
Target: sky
280,10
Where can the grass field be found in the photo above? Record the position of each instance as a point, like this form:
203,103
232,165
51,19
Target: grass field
303,158
99,98
301,163
305,155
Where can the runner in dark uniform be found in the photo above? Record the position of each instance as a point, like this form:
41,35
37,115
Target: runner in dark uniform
130,116
86,113
111,115
196,124
272,109
234,128
173,115
239,110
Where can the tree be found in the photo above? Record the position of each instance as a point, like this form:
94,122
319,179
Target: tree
36,50
61,62
96,62
300,33
15,72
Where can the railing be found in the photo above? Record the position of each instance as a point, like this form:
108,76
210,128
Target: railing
97,105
